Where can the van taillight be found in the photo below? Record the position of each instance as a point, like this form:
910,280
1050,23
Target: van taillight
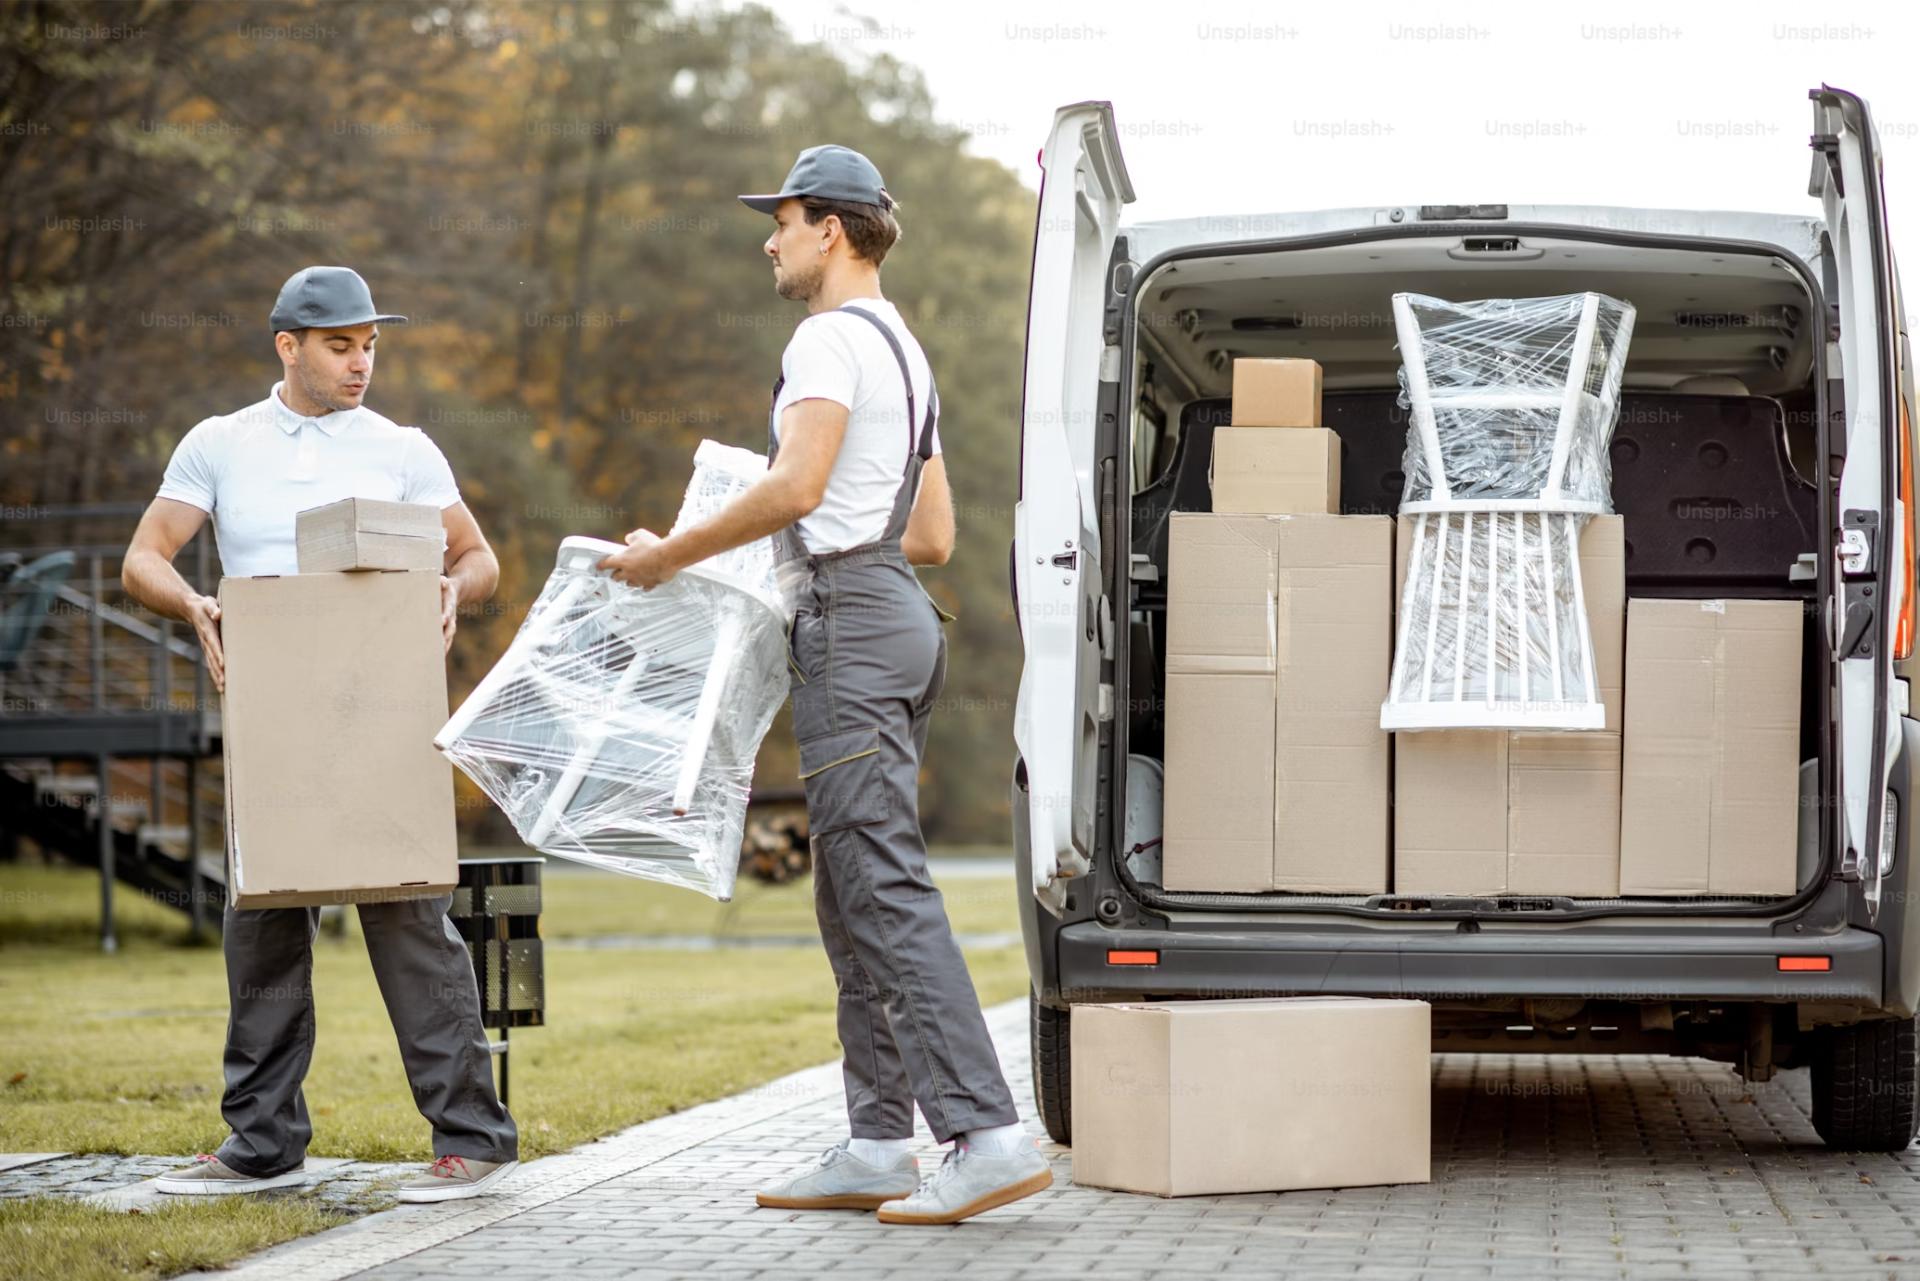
1814,963
1903,631
1117,957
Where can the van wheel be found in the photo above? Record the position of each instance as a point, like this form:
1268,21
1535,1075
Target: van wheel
1863,1086
1052,1069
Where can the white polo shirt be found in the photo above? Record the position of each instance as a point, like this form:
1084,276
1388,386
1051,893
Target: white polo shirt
842,358
254,469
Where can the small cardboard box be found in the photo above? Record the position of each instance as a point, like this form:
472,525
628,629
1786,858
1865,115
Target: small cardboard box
1260,471
336,685
1710,797
1276,393
1486,812
1187,1098
1279,640
369,533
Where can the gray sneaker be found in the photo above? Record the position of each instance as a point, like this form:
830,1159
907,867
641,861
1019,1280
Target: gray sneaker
209,1176
842,1181
454,1178
969,1182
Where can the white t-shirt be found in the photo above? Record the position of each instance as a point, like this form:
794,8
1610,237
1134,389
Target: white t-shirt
844,359
254,469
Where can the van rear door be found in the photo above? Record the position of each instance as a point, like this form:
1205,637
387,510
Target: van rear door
1066,620
1867,593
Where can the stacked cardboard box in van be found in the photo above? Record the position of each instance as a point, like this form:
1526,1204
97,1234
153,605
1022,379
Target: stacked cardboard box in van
1710,799
1487,811
1279,637
1275,458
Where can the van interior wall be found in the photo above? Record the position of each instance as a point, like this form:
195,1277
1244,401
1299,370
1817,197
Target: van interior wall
1713,454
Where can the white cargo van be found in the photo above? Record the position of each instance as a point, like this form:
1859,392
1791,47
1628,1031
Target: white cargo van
1769,371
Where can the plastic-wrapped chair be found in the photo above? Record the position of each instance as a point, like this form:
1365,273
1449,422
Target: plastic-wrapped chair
621,726
1513,403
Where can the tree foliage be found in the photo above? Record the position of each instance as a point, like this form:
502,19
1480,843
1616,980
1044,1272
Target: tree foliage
546,188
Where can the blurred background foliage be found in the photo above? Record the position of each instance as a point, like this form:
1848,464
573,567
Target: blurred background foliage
546,188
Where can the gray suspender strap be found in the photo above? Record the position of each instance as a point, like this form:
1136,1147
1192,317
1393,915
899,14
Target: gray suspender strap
924,449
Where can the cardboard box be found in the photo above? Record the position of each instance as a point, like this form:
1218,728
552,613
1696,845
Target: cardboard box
1709,801
336,685
1486,812
368,533
1261,471
1278,645
1189,1098
1276,393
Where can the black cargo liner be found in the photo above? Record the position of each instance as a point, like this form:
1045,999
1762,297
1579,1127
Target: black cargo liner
1659,477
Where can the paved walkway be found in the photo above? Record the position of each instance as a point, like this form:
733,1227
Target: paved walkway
1568,1167
126,1182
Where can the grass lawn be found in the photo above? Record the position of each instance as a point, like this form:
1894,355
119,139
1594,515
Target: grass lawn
122,1053
48,1237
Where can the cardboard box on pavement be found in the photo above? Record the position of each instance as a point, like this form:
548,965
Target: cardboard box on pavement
1710,798
1263,471
369,533
336,685
1281,392
1279,637
1186,1098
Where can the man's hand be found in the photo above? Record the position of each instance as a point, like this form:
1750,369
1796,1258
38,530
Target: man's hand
449,611
204,613
647,562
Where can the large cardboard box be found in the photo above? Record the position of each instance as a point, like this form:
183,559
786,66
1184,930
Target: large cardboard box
1279,638
1189,1098
1262,471
1276,393
1709,801
336,685
368,533
1481,812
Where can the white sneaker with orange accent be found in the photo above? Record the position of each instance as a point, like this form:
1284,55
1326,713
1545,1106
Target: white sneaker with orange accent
453,1178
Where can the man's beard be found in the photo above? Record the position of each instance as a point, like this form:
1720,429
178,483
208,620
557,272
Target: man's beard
796,285
325,396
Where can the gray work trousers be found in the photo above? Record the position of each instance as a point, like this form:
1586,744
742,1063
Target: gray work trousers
869,659
426,977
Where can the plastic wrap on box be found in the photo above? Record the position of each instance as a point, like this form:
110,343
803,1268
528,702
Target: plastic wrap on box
621,726
1498,375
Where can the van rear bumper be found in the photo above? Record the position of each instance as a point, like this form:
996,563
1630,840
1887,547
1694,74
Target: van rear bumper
1670,964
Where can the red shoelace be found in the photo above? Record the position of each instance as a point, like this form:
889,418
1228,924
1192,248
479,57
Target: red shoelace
443,1168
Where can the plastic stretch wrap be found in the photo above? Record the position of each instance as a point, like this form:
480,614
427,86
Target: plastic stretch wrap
1513,403
621,726
1499,376
1492,596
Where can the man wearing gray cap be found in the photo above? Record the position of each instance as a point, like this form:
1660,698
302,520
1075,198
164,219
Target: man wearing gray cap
310,442
855,496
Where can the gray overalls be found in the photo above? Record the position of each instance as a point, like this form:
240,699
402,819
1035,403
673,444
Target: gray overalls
869,658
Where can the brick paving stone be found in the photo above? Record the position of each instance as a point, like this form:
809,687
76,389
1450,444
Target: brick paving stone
1564,1167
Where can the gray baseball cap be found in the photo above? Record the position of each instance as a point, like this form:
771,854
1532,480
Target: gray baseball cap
831,173
325,298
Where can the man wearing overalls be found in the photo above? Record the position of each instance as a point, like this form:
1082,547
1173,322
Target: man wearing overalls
854,497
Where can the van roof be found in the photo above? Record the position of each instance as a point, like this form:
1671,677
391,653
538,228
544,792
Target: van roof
1796,235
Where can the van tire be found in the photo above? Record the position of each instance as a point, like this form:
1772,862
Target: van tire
1052,1044
1863,1086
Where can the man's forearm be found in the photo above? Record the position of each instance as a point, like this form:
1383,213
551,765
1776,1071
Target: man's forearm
765,509
476,573
151,579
